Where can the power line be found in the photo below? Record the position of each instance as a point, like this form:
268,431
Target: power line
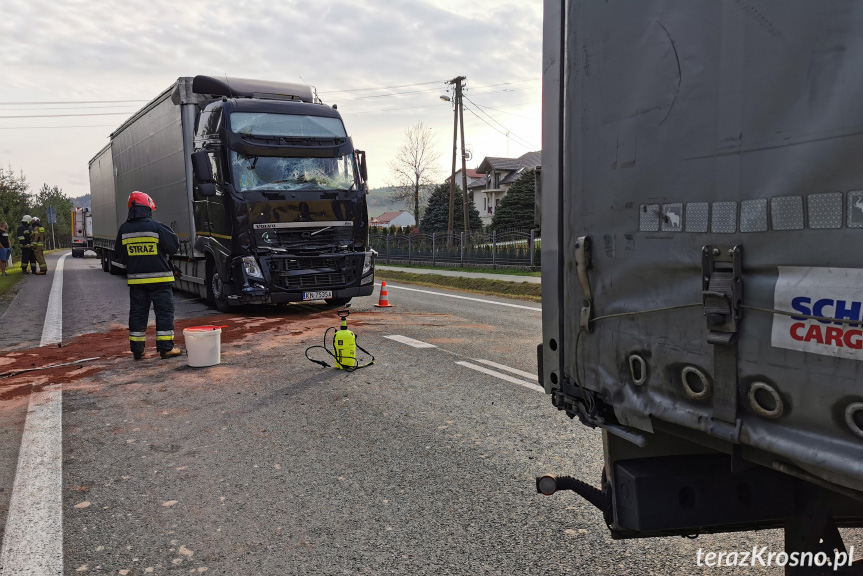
69,108
509,132
56,127
392,109
384,87
504,111
68,115
70,102
523,143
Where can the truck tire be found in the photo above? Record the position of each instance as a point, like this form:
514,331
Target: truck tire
76,253
113,270
337,301
103,258
216,295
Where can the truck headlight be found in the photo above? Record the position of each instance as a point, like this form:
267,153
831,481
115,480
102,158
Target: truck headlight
367,263
251,267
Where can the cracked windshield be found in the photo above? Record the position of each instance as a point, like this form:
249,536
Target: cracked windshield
288,173
278,173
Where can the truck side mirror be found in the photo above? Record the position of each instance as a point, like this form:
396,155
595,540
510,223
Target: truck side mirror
207,189
202,167
361,157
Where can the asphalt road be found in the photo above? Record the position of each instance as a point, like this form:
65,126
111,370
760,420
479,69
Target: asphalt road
423,463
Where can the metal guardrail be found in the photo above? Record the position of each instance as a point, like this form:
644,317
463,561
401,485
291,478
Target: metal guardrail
497,249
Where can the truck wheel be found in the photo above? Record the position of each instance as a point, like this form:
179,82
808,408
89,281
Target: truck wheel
103,257
216,288
114,270
337,301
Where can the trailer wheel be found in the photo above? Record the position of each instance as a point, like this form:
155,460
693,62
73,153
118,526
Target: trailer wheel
113,270
106,263
216,295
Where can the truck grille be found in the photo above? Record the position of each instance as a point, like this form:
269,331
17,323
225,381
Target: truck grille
299,240
322,272
311,281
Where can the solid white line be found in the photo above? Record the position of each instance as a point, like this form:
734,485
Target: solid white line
33,543
506,377
464,298
410,341
52,329
506,368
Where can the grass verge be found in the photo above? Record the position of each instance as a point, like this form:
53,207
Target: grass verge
8,286
517,290
506,271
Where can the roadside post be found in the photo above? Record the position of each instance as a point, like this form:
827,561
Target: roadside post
51,216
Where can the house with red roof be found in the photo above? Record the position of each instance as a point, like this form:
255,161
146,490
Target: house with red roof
389,219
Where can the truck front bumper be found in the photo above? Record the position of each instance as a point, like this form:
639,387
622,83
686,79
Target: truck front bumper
288,278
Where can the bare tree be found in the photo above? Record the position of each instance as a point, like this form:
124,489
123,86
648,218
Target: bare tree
414,170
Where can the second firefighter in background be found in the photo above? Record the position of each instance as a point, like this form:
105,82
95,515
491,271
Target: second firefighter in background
142,247
37,245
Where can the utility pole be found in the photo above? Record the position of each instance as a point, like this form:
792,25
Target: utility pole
457,113
458,88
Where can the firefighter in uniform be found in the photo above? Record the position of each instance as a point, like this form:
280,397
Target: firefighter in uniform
23,234
142,247
37,244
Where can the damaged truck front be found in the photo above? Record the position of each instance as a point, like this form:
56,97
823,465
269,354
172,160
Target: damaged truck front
702,205
260,181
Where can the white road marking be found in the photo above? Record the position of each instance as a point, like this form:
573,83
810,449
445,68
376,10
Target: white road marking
502,376
506,368
410,341
33,543
33,540
52,329
464,298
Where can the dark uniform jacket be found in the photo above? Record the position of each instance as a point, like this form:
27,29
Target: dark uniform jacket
143,246
23,234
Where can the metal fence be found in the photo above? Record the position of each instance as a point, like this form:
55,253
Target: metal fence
515,248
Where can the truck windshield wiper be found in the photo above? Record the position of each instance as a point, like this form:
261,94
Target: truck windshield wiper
319,231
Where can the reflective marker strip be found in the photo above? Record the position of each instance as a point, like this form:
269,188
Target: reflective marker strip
33,541
506,377
410,341
535,309
527,375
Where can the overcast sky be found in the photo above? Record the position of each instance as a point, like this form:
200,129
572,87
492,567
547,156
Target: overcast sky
384,62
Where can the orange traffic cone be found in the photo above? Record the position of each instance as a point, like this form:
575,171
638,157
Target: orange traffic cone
384,302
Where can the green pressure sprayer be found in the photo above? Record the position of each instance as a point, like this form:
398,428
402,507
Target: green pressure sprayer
345,346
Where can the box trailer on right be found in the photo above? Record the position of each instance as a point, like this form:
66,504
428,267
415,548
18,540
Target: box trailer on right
702,218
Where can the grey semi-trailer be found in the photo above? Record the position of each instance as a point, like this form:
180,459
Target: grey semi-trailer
702,213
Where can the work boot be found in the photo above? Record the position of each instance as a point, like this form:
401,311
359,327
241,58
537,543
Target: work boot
139,355
172,353
41,272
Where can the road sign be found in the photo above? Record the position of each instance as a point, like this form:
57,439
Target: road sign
51,215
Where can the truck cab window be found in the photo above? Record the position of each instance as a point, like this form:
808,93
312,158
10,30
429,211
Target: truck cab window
288,173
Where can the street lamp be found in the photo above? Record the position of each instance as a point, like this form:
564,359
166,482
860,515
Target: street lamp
445,98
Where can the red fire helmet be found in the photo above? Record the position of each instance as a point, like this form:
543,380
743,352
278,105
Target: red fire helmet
141,199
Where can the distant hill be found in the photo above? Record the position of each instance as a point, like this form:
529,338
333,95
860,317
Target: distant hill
379,202
82,201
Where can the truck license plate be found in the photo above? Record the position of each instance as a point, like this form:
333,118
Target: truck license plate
318,295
